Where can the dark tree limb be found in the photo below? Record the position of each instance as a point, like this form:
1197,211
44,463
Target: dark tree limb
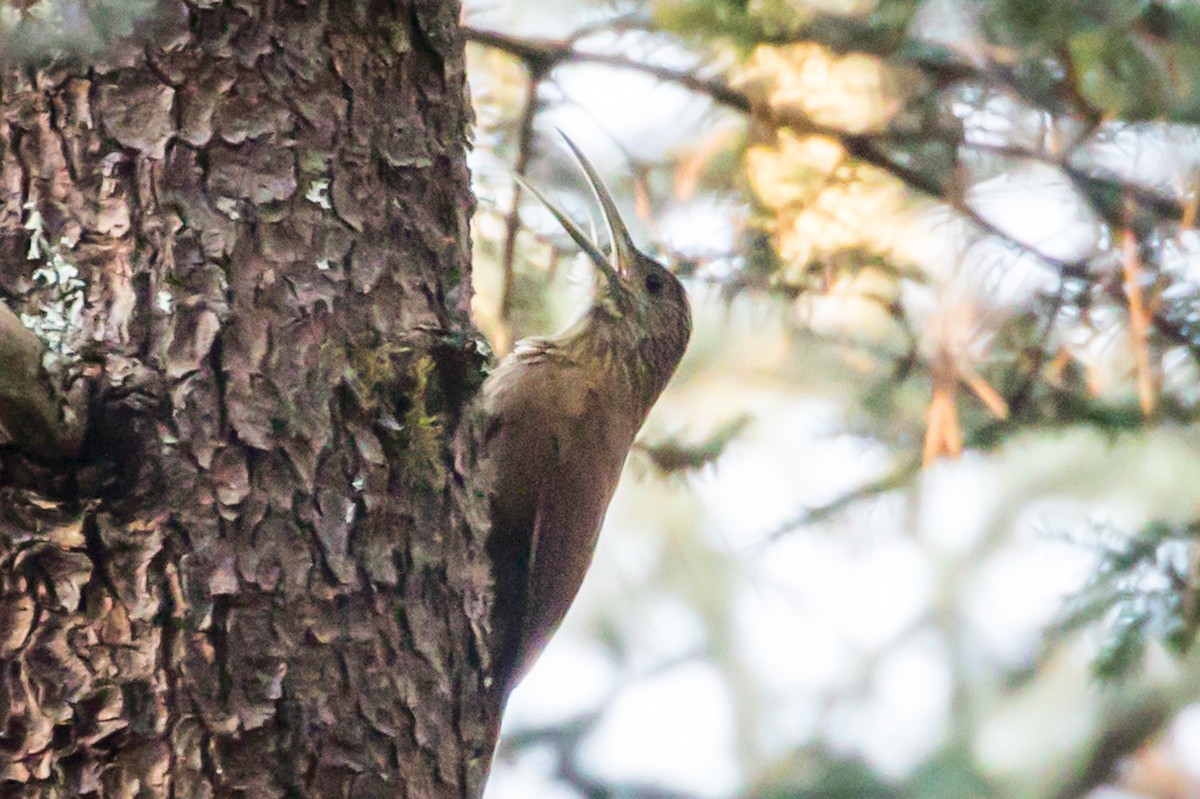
543,55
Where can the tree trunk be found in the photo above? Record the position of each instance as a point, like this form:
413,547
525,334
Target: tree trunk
258,578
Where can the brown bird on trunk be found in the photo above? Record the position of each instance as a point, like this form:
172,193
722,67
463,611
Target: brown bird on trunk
562,412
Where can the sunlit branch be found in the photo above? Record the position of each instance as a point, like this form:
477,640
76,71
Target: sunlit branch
1139,323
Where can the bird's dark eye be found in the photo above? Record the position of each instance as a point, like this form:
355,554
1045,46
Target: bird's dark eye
654,283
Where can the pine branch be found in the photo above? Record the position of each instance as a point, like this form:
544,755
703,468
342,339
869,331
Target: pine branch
542,56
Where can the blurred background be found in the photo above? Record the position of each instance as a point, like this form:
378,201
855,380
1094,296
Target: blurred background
918,515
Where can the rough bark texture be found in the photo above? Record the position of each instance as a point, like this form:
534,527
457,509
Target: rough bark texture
260,580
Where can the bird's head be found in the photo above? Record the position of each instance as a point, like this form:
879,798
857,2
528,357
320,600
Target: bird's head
634,293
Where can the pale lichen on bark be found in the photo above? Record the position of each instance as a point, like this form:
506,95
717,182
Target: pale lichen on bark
37,415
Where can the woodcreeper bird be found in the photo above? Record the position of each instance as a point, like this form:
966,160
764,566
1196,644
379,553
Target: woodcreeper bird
561,414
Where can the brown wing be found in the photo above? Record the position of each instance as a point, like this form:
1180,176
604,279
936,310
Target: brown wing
557,452
570,511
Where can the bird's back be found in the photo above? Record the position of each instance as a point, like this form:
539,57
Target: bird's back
556,442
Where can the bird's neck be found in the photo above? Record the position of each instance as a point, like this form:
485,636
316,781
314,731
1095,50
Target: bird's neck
613,352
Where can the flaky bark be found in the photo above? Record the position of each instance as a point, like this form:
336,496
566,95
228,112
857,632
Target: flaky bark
258,579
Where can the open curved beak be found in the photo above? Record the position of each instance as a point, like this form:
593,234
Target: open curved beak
618,264
622,245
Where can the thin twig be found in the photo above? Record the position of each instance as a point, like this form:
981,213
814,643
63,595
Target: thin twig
512,222
889,482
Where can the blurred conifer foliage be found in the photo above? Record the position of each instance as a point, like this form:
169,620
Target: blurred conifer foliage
985,210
